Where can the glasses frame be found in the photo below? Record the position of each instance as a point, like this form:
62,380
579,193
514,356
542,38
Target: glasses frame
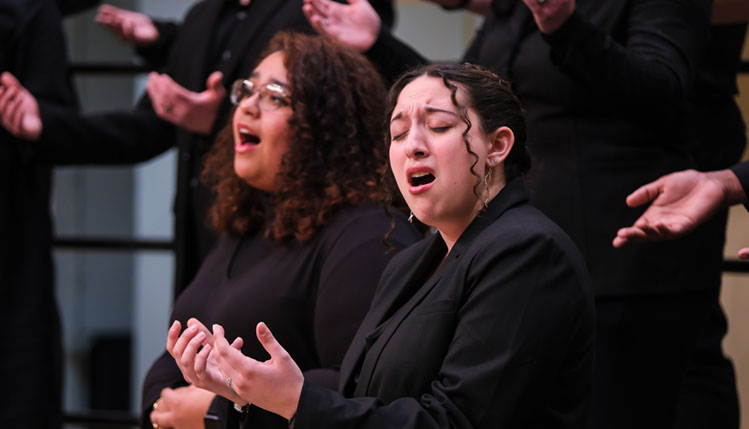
245,88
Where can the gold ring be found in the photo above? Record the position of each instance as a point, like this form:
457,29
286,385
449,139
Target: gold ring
228,382
155,425
156,405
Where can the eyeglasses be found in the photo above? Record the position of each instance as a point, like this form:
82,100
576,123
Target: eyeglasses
270,97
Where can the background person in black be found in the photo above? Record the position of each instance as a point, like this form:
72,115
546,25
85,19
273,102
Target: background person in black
216,36
605,85
33,49
296,175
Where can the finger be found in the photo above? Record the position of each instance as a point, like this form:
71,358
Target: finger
214,81
195,322
744,254
184,339
238,343
10,94
16,113
172,335
201,360
187,360
644,194
8,80
269,342
322,6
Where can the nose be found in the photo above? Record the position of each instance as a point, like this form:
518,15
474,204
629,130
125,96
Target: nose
416,144
250,105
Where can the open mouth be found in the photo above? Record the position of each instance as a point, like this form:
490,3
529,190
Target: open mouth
420,178
247,138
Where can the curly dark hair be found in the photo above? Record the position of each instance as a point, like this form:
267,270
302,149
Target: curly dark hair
488,95
335,159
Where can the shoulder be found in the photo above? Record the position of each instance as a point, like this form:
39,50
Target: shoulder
523,239
367,222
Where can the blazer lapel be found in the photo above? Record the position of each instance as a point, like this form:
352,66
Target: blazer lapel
394,302
397,312
391,291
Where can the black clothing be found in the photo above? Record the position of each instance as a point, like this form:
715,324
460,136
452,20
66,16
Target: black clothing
33,49
139,134
742,172
311,295
500,335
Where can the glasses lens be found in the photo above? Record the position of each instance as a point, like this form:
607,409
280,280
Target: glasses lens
239,90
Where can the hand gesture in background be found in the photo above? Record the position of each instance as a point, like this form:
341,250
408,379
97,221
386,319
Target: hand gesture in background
355,24
679,203
193,111
19,110
131,27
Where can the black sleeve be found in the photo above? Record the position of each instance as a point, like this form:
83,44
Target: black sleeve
741,171
156,54
652,64
392,57
384,8
530,293
348,278
110,138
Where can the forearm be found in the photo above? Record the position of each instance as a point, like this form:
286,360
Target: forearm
650,63
112,138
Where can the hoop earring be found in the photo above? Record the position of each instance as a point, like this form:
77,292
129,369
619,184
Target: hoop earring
411,217
487,177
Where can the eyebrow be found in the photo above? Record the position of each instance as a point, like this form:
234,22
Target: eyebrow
276,81
428,110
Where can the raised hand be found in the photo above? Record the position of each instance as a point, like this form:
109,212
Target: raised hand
131,27
199,368
19,110
550,14
355,24
680,202
193,111
274,385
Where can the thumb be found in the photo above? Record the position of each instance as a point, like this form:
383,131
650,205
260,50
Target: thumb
9,80
214,81
744,254
268,341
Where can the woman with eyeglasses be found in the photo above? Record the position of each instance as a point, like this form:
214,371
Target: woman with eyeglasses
296,176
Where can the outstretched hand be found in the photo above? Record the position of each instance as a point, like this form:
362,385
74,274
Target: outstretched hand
19,110
274,385
199,368
131,27
193,111
550,14
355,24
680,202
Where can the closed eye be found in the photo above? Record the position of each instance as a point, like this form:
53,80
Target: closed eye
397,137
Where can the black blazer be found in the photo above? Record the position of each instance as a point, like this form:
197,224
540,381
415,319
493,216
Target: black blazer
499,336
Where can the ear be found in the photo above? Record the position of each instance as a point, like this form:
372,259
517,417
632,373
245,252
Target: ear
500,143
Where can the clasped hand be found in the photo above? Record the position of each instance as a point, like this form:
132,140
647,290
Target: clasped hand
274,385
